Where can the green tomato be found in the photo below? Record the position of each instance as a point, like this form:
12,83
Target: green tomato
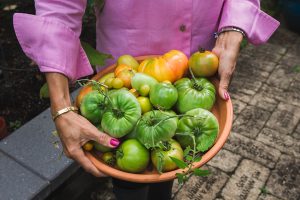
109,158
161,156
93,106
129,61
155,126
101,148
123,114
200,124
140,79
198,93
163,95
132,156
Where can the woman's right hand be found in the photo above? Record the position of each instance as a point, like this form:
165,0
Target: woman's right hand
74,131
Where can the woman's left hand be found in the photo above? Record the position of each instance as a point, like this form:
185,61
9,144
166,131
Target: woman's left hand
227,49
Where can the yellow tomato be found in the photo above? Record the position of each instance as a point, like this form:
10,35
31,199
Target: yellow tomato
145,104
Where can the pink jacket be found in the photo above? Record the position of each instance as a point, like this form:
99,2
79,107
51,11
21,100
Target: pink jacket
136,27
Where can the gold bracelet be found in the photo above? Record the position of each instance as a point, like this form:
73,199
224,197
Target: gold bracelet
63,111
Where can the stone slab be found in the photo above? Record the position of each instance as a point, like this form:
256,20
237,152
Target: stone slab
252,149
283,37
268,197
225,160
18,183
199,188
285,118
251,121
285,179
296,133
280,78
246,182
249,86
238,106
261,101
283,143
36,147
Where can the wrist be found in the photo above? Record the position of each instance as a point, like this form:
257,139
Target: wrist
230,29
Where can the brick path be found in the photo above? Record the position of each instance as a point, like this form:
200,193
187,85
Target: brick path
261,158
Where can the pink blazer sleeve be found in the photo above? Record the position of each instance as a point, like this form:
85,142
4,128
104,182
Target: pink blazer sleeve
51,37
246,15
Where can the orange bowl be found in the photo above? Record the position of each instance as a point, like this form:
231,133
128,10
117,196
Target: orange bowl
223,112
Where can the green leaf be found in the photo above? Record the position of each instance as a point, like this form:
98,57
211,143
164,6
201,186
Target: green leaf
160,162
189,158
200,172
296,68
197,158
44,91
181,164
180,178
186,151
95,57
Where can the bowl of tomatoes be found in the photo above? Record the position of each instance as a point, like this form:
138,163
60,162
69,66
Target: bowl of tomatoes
170,121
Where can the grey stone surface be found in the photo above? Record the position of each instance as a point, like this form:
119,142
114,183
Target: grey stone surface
36,147
280,78
225,160
296,133
238,106
199,188
267,197
282,142
252,149
283,37
285,118
251,121
284,181
246,181
249,86
261,101
245,98
18,183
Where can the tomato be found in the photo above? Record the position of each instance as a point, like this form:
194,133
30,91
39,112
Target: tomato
109,158
145,104
88,146
100,147
157,68
85,90
129,61
144,90
177,61
160,156
155,126
203,125
134,92
163,95
123,114
126,76
106,76
204,63
132,156
121,68
93,106
108,82
117,83
198,93
139,80
171,66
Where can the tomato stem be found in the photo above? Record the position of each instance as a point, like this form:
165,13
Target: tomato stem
201,50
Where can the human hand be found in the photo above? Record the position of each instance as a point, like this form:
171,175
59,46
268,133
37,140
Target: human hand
74,131
227,49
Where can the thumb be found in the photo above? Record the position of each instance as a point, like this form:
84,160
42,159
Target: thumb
104,139
223,86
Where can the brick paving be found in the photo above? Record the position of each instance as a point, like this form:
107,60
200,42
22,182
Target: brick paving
261,159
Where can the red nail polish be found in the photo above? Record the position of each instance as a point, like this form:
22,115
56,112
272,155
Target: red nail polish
226,96
114,142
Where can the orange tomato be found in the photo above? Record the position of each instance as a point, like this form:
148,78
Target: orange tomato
157,68
169,67
85,90
120,68
204,63
126,76
177,61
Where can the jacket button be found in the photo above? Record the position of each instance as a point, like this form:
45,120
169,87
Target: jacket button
182,28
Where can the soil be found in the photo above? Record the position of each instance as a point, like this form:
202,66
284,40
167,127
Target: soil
20,79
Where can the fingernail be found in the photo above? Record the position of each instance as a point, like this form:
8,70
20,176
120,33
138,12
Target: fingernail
114,142
226,96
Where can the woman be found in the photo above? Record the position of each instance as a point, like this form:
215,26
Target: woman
135,27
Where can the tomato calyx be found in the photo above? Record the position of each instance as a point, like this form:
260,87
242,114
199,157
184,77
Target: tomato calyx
196,86
118,113
119,153
201,50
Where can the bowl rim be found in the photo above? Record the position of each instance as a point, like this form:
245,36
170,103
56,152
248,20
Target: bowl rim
166,176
